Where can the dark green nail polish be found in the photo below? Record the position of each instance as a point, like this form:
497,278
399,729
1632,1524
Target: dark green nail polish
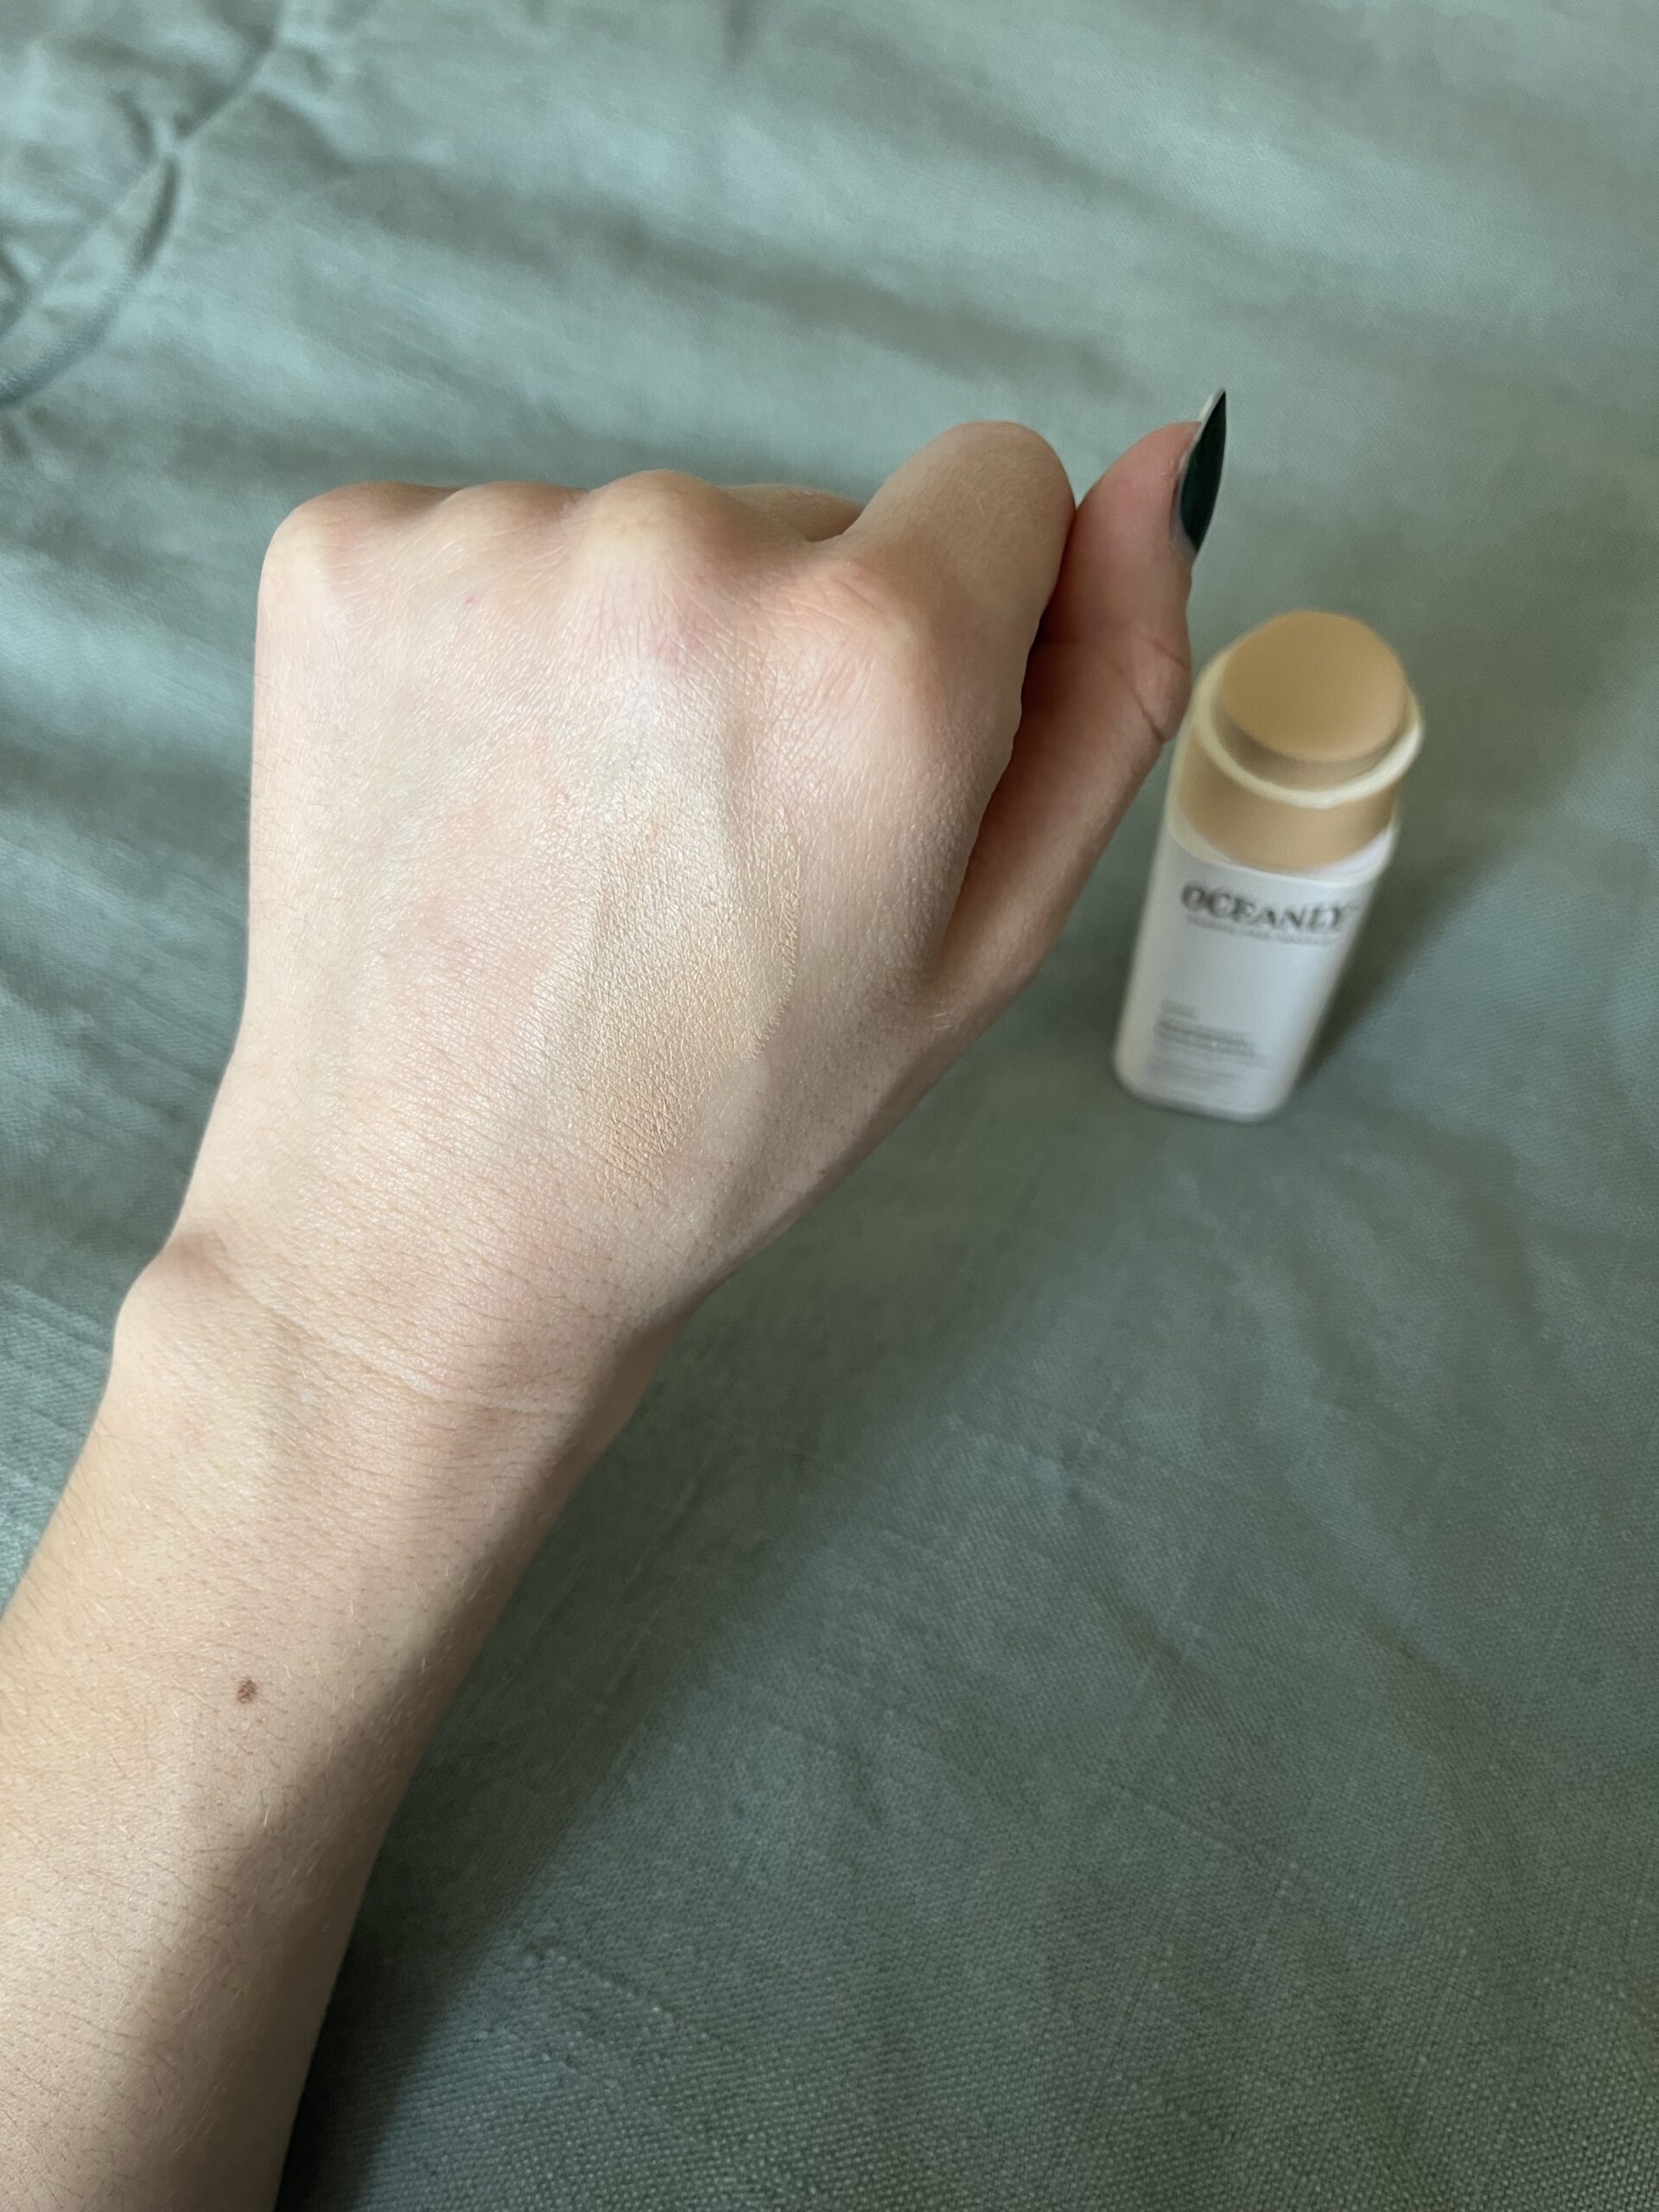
1195,497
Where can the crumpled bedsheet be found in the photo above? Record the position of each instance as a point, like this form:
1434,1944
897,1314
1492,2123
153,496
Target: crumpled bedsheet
1118,1666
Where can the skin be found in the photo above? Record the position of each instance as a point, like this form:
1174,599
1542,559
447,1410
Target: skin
623,864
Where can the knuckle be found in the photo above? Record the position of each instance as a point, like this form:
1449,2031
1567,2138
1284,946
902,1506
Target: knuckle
491,510
301,540
656,568
1026,464
323,545
654,513
1031,446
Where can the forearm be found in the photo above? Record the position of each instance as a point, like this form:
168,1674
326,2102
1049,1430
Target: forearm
265,1581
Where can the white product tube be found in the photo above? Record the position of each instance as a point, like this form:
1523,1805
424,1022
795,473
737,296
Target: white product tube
1233,970
1280,818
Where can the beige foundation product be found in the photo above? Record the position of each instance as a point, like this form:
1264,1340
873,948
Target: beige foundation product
1280,818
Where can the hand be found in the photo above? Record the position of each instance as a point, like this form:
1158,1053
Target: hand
624,863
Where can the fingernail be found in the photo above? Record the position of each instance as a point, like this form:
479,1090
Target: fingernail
1195,495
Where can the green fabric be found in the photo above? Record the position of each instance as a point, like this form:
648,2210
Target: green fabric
1118,1666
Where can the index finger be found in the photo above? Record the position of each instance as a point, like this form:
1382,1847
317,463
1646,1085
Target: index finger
973,528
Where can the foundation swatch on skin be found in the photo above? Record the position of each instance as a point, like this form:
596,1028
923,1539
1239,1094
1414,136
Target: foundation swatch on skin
688,959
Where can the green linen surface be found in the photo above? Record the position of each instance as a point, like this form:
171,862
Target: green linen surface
1118,1666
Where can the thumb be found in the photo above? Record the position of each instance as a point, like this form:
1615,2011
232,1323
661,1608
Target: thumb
1106,685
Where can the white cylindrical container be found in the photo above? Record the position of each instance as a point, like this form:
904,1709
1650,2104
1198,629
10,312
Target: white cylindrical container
1280,817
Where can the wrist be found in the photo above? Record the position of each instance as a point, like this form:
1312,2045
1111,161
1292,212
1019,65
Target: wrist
259,1399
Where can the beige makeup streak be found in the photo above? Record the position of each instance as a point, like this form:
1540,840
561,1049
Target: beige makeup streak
692,958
